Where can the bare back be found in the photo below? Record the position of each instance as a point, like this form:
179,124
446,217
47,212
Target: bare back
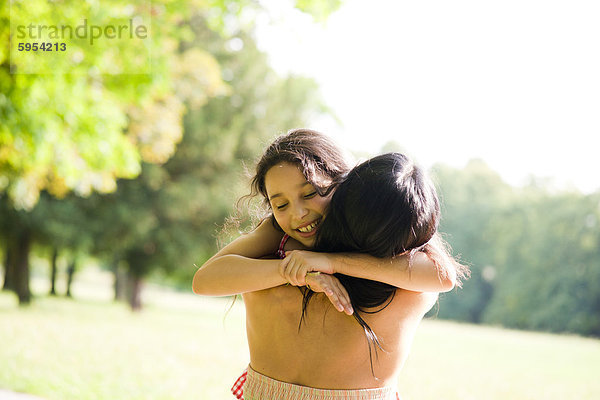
330,350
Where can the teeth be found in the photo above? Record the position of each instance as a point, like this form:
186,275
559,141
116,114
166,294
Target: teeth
308,228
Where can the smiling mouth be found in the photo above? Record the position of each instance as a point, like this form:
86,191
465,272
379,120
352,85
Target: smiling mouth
309,228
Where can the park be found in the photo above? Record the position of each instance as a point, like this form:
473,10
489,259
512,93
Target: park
124,167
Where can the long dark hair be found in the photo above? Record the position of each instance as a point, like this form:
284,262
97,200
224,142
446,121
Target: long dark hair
385,207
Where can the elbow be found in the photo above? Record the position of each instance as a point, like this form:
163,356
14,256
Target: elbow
198,286
448,280
204,284
196,289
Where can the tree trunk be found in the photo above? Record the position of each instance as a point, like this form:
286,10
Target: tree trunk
53,272
135,292
22,267
120,282
9,267
70,272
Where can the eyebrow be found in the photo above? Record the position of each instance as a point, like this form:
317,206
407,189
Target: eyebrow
280,194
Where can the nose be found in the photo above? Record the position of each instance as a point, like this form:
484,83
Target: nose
300,211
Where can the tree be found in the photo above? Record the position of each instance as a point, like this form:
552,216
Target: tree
533,252
471,199
83,128
554,279
17,233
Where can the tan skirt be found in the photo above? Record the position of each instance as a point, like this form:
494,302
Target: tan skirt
261,387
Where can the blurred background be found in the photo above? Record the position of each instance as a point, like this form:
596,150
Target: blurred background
114,186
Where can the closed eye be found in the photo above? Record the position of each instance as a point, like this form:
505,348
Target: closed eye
282,206
310,195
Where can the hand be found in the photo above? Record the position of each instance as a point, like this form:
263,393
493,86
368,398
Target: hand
297,263
333,289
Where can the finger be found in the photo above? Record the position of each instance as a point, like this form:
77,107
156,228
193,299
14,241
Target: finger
297,274
315,277
283,265
301,275
334,299
289,274
297,271
336,302
313,284
303,270
344,298
284,268
287,269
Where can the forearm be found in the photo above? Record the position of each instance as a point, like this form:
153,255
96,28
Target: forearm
422,276
233,274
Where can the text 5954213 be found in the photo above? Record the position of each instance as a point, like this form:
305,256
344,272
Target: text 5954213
44,46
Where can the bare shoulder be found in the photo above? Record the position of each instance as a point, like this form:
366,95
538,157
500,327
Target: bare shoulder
410,302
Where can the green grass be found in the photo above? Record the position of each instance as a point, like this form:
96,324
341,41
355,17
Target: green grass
463,361
183,347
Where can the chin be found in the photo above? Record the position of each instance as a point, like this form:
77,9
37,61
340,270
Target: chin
308,242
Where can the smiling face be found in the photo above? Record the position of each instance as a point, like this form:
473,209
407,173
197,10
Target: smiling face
296,205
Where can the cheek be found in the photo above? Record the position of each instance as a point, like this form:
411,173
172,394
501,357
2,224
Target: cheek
280,217
322,203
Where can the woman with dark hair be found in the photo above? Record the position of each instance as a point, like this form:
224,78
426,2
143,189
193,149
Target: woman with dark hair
385,207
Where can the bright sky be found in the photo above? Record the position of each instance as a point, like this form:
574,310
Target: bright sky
514,82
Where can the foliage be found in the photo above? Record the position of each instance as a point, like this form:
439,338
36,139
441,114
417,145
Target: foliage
81,119
469,199
555,283
319,9
534,253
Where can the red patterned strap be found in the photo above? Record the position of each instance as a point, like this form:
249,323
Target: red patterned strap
281,251
238,387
